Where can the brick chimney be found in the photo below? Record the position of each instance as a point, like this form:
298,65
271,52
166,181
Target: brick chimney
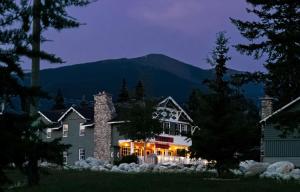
104,111
266,106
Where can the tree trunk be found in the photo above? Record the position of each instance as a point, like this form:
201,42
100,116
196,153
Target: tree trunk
36,40
33,176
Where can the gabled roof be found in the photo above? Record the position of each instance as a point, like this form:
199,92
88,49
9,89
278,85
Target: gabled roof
53,116
281,109
169,100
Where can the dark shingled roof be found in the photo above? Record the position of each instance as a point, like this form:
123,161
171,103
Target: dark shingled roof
54,115
87,112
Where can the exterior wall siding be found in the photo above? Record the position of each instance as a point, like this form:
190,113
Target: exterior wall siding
86,142
277,148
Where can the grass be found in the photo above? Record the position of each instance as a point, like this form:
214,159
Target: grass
86,181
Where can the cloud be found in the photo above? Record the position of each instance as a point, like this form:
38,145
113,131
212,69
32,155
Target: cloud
167,13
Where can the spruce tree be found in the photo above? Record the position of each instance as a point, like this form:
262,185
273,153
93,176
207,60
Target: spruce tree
124,93
227,121
59,101
140,91
139,122
275,35
84,103
45,14
18,129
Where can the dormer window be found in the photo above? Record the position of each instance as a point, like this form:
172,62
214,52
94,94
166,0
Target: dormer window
48,133
81,130
65,130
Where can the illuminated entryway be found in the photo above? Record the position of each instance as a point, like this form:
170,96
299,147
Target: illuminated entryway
165,152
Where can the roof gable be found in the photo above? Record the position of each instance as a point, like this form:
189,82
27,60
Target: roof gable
170,110
71,109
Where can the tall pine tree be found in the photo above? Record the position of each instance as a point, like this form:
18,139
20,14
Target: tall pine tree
124,93
39,16
59,101
275,35
140,91
227,121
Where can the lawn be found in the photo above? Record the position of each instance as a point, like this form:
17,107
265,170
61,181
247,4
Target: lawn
86,181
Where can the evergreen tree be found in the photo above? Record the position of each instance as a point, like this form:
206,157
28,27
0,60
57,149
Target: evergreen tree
18,129
124,93
227,120
275,35
84,103
139,122
45,14
140,91
59,101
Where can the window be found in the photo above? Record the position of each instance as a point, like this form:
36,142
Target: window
81,154
65,130
183,129
177,129
125,151
166,127
65,157
48,133
81,130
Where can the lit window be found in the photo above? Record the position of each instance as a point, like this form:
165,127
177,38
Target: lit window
48,133
65,157
81,130
125,151
81,154
65,130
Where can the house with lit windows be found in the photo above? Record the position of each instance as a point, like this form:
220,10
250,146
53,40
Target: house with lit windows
93,132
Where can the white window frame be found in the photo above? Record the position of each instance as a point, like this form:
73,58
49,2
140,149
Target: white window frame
65,130
48,133
81,130
168,126
81,154
65,157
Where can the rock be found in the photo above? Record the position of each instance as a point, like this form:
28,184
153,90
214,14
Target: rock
245,165
124,166
108,166
82,164
95,168
116,169
236,171
280,167
94,162
256,169
295,174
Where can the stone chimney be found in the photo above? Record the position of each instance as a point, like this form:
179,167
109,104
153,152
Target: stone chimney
266,106
104,111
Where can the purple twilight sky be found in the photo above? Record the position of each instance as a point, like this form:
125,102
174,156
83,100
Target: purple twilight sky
182,29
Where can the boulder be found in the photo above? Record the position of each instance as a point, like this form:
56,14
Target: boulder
94,162
281,167
116,169
124,166
256,169
82,164
295,174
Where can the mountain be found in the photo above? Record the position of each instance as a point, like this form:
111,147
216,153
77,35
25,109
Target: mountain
162,76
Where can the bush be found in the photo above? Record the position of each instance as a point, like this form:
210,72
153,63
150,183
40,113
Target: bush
127,159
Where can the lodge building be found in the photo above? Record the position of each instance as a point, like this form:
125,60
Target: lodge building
93,132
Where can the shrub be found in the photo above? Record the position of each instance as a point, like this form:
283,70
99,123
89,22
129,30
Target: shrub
129,159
